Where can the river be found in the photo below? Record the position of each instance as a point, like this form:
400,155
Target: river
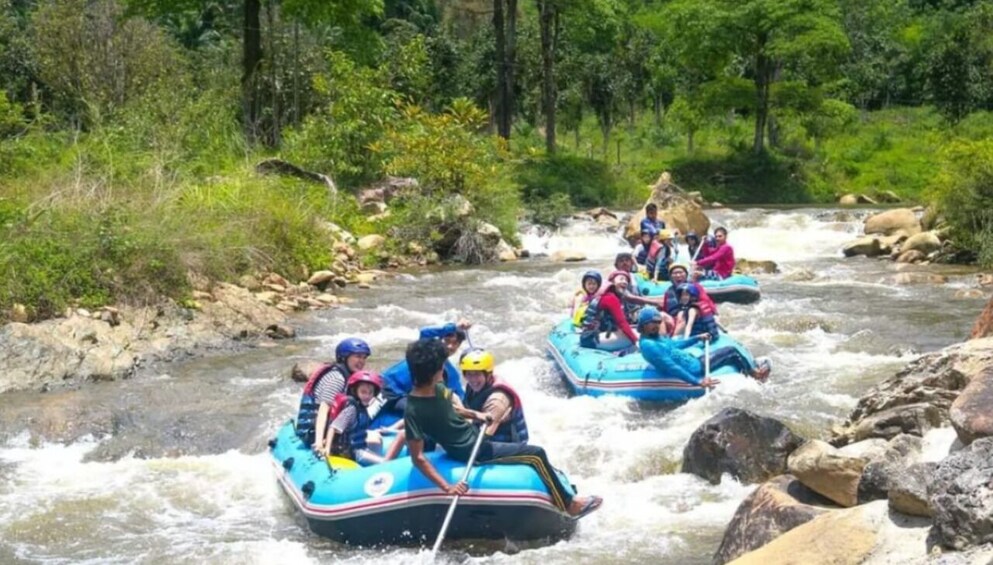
177,471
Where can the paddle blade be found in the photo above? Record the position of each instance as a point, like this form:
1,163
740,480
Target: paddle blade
341,463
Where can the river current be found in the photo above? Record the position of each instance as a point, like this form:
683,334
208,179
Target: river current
181,475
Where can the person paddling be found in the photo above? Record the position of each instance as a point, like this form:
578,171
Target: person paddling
397,378
492,396
433,412
668,356
718,264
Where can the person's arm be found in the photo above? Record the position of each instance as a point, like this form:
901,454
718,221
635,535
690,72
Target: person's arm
655,353
614,308
395,448
712,258
321,426
437,332
690,319
644,300
423,464
498,407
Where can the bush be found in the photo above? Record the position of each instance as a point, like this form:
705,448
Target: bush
744,178
550,211
587,182
963,194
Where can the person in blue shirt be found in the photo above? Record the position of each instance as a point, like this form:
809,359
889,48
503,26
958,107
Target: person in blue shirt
652,223
668,356
397,379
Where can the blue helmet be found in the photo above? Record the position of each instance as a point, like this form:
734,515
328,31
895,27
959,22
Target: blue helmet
649,314
690,288
595,275
351,346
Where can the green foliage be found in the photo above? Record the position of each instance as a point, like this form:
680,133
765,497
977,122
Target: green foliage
95,60
586,182
964,194
337,139
550,211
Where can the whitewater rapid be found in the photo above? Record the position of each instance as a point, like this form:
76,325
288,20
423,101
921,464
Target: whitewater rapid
832,327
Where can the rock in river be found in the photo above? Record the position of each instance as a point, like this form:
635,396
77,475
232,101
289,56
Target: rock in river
749,447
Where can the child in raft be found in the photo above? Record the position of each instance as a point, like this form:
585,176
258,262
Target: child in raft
591,282
693,317
350,434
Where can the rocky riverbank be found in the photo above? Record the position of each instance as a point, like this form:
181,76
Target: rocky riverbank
907,478
111,343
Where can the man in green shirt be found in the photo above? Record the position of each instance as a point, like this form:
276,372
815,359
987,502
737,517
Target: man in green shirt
433,412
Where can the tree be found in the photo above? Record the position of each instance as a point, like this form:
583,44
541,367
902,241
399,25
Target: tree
959,63
548,15
799,40
505,30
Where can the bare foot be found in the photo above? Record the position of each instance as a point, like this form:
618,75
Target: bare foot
582,506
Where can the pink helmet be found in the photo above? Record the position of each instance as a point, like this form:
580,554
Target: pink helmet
365,377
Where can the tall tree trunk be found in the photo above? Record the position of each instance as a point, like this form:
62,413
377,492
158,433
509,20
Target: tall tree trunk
500,45
251,57
276,125
761,102
549,35
296,72
510,65
772,122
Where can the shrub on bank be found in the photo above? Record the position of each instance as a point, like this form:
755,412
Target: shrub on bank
963,194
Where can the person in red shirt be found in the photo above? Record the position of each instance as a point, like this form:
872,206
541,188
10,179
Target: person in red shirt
605,313
719,261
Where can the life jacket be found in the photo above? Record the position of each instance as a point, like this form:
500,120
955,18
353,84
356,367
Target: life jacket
671,301
594,320
577,315
307,413
349,441
642,256
514,430
705,321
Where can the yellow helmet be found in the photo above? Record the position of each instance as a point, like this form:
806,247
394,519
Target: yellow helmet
477,360
664,235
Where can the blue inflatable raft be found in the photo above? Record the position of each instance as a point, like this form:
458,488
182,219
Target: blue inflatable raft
596,373
739,289
394,503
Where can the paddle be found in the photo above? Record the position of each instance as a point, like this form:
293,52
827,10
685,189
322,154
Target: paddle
455,501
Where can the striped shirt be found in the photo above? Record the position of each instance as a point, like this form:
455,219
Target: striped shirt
329,386
346,420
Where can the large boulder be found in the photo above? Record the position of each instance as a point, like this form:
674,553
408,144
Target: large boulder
919,396
371,242
865,245
908,489
984,323
880,474
892,221
913,278
972,412
747,446
676,208
961,496
848,200
925,242
750,267
827,471
866,534
303,369
567,256
773,509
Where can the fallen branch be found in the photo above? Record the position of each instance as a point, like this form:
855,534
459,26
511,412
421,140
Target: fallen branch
280,167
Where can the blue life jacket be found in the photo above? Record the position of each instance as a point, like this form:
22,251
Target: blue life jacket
672,304
594,322
307,413
398,381
514,430
362,424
